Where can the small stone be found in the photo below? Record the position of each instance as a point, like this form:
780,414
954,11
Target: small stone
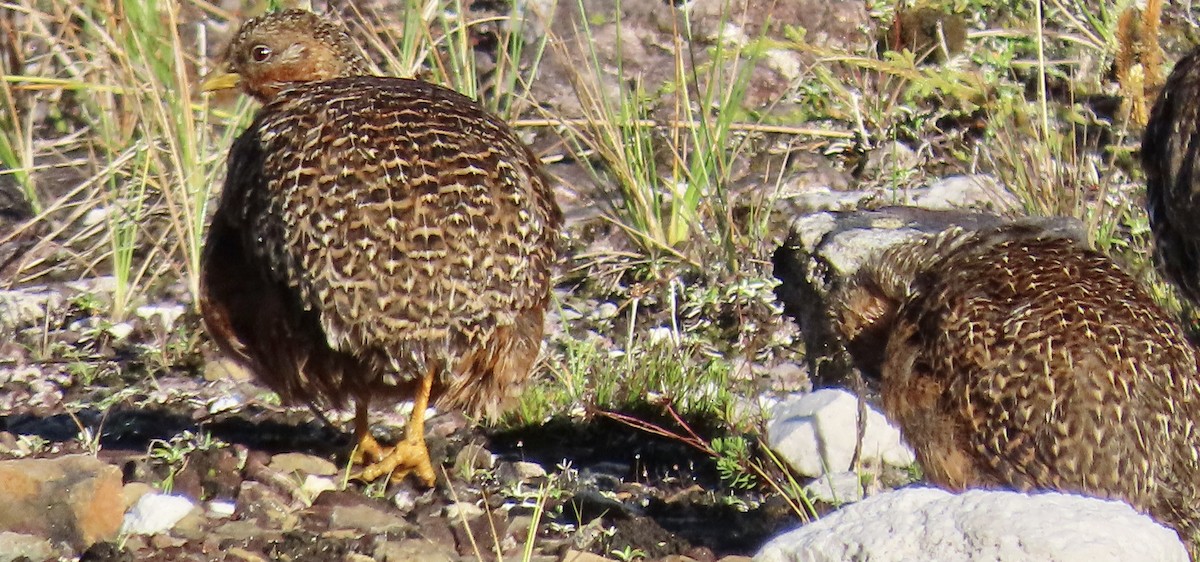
581,556
473,458
462,510
75,498
156,513
222,508
366,518
314,485
167,314
605,311
120,330
520,471
300,463
413,549
14,546
258,501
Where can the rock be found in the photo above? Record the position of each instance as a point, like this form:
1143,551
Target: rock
75,498
519,471
29,306
580,556
889,159
221,508
314,485
166,313
366,518
156,513
472,458
15,546
818,431
836,488
413,549
300,463
462,510
257,501
970,191
932,524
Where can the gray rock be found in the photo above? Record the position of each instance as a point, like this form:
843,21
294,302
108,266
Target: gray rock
969,191
817,433
931,524
156,513
14,546
836,488
473,457
367,519
519,471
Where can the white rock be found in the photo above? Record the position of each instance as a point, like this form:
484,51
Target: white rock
221,508
957,192
155,513
836,488
167,313
816,432
930,524
313,486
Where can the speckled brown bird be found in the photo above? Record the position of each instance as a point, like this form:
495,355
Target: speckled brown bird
1017,358
1170,151
377,238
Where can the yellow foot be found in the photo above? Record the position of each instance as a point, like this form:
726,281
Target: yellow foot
367,451
407,457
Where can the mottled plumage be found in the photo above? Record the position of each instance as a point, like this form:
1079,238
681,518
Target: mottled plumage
1015,358
1170,151
373,231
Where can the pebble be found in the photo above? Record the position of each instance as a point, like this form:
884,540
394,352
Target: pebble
156,513
462,510
520,471
74,498
366,518
300,463
472,458
257,501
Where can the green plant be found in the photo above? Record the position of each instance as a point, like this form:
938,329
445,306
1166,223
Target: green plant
628,554
174,453
733,453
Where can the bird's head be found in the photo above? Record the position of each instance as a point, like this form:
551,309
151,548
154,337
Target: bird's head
275,50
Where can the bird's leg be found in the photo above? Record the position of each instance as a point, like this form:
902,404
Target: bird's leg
367,449
409,456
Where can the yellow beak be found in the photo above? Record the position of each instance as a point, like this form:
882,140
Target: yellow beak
219,80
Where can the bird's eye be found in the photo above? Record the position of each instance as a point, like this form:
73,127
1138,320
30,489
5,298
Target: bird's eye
260,53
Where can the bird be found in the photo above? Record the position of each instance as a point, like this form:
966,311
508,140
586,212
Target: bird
1015,357
377,239
1168,156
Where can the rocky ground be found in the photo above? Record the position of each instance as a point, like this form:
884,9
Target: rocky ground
147,445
